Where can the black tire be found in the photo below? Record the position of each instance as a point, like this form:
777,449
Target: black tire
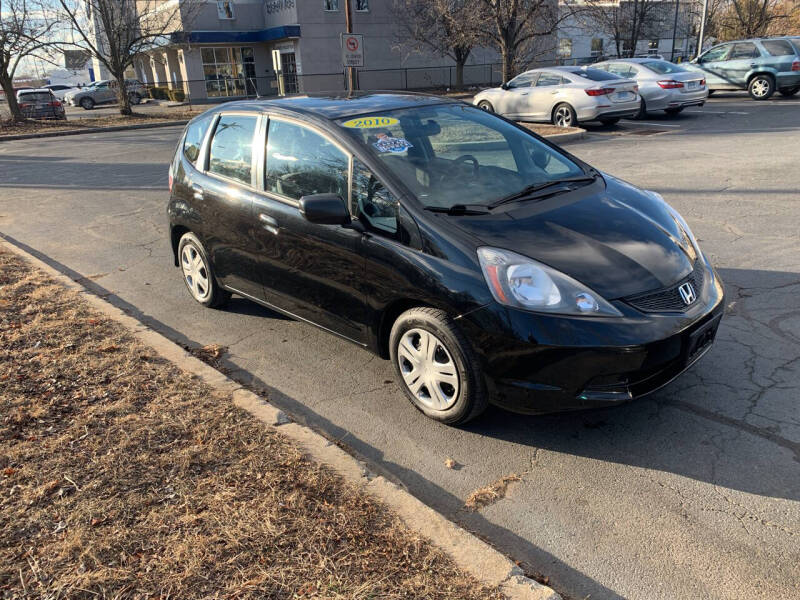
486,105
216,297
471,397
711,93
611,121
673,111
642,114
761,87
564,116
87,103
789,92
135,98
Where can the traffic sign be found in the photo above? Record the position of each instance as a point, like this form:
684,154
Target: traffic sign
352,50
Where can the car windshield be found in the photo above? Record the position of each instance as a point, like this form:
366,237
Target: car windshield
35,97
663,67
450,155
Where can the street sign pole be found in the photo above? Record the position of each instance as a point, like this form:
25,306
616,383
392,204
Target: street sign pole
702,28
278,67
348,17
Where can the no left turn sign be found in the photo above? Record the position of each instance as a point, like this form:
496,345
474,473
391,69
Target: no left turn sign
352,50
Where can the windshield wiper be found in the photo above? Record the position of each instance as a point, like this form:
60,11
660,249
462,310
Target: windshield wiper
530,192
460,209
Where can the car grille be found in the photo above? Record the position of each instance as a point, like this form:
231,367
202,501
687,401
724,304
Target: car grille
668,299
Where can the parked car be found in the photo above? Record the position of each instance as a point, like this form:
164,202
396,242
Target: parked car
40,104
105,92
761,66
563,96
663,86
485,262
60,90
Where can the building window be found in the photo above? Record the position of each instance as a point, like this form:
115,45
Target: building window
331,4
225,10
229,71
652,47
362,5
597,46
564,48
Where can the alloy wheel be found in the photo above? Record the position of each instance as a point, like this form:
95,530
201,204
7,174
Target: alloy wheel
760,87
428,369
563,116
195,272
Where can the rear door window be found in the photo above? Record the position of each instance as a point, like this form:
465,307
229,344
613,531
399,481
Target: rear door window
231,150
302,162
546,79
778,47
744,50
195,133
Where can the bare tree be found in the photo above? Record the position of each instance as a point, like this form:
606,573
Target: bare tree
447,27
740,19
115,32
25,32
627,21
520,30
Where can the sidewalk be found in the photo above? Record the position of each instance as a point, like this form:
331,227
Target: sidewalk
122,476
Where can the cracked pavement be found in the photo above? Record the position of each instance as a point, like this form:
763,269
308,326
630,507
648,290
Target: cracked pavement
693,492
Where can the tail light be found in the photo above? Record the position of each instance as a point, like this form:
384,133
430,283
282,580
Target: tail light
636,88
702,83
24,105
599,91
170,179
796,65
669,84
55,104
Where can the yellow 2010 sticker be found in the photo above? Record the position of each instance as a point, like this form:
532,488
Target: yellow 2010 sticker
370,122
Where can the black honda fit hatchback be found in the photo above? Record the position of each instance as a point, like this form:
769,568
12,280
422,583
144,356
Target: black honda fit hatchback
486,263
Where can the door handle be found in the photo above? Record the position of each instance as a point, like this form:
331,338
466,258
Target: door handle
270,224
524,94
197,192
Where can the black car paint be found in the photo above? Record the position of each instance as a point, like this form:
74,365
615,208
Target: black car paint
609,235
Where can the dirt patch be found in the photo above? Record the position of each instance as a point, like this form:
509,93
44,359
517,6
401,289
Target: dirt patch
491,493
10,127
123,477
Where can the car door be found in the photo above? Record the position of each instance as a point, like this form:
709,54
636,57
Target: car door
514,102
712,64
221,193
742,58
544,95
103,93
314,272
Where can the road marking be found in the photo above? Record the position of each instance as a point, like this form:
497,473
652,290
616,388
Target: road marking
651,124
716,112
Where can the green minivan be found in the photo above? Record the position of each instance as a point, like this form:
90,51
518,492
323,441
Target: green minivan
761,66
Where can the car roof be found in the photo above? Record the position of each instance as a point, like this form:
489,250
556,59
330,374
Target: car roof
637,60
33,90
336,105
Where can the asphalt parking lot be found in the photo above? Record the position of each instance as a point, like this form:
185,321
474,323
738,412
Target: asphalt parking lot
693,492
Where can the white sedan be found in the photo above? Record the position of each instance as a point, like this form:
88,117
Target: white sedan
563,96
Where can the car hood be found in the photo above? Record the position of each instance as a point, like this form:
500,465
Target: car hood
612,237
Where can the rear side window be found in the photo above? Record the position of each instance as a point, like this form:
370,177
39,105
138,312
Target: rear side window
595,75
194,138
231,151
301,162
778,47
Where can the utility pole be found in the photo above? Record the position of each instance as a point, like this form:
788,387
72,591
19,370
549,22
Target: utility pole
348,22
702,28
674,31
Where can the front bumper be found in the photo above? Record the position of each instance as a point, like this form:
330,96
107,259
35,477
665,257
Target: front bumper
538,364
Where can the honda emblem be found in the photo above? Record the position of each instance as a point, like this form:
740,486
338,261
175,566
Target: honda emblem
687,293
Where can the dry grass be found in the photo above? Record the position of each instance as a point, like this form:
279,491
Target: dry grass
10,127
122,477
544,130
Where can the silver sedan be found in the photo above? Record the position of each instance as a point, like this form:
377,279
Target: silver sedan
563,96
663,86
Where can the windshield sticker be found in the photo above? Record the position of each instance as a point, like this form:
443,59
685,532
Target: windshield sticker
370,122
386,143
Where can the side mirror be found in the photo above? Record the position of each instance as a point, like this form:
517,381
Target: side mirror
503,86
324,209
541,159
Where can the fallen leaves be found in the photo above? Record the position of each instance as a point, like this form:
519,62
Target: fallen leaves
491,493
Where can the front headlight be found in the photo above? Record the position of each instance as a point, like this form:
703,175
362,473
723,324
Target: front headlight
522,282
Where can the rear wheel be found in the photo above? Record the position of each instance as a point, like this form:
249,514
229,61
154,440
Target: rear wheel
610,121
673,111
761,87
564,116
197,273
788,92
436,366
486,105
87,103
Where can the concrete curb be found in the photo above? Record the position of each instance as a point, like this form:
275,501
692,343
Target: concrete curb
31,136
473,555
561,138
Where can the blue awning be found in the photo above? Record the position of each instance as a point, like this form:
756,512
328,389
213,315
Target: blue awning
236,37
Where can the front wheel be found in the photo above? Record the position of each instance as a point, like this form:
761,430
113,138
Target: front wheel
761,87
789,92
564,116
673,111
436,366
87,103
486,105
198,275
